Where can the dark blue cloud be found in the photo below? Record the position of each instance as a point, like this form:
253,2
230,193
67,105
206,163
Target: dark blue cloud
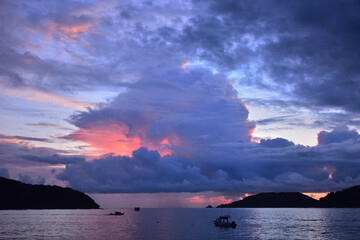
338,135
146,171
324,34
304,51
2,136
276,143
28,179
281,41
195,108
23,155
241,167
54,159
4,172
269,121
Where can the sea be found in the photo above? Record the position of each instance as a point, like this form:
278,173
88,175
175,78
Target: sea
182,224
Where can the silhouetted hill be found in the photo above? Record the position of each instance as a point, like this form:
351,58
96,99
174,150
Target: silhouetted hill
347,198
17,195
274,200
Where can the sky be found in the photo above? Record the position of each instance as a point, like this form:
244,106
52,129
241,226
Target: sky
180,103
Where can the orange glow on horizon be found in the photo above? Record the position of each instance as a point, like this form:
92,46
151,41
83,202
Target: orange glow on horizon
245,195
214,200
316,196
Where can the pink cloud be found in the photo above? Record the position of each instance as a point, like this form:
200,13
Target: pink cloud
116,138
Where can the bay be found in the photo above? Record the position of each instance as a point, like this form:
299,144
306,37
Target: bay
253,223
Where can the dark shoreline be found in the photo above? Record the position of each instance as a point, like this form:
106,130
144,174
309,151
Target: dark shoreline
16,195
347,198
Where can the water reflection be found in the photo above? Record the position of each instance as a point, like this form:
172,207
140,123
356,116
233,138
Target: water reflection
180,224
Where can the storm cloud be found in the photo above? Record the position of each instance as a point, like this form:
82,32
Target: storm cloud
241,168
18,158
338,135
182,77
273,45
180,111
2,136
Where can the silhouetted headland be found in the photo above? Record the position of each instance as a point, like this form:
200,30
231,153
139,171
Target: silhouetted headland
347,198
17,195
273,200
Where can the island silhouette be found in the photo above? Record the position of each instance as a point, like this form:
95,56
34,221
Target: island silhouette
18,195
347,198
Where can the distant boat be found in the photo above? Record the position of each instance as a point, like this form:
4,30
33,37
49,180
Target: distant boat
223,221
137,209
116,213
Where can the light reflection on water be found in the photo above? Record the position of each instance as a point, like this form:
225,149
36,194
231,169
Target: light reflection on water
180,224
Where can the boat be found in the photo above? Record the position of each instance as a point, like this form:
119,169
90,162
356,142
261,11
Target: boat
223,221
137,209
116,213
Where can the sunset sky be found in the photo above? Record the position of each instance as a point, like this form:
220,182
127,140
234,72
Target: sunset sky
180,103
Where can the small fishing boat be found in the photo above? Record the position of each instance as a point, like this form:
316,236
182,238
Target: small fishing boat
137,209
116,213
223,221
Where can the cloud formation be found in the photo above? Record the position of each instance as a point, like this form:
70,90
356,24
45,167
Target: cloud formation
32,162
175,112
275,143
338,135
241,168
2,136
251,38
4,173
54,159
29,180
178,123
314,34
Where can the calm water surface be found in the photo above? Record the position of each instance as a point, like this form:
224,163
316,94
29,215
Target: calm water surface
180,224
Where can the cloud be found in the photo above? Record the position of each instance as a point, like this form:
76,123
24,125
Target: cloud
55,159
277,142
45,97
251,39
2,136
338,135
279,56
144,172
23,154
47,125
181,111
50,50
27,179
4,173
269,121
19,159
240,168
39,51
